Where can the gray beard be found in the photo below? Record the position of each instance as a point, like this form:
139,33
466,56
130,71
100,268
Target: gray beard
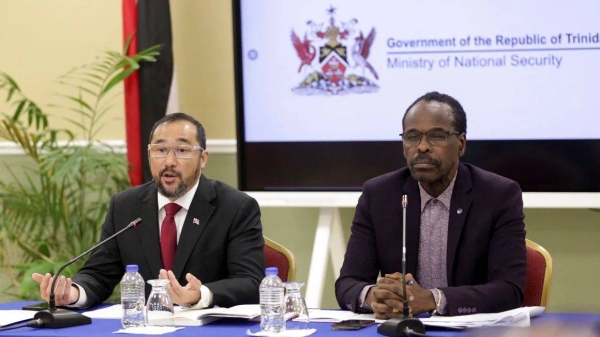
181,188
177,193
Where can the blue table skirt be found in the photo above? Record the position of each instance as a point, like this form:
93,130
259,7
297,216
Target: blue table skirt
232,327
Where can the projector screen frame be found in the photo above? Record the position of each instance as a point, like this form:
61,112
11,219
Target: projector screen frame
531,200
589,197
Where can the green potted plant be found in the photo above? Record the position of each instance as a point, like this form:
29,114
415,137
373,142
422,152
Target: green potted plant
52,209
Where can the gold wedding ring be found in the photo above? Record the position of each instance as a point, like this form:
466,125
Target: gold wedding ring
395,311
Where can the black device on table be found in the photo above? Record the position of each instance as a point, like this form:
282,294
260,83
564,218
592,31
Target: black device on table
352,324
36,306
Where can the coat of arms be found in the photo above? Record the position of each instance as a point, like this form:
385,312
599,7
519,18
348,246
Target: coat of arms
331,72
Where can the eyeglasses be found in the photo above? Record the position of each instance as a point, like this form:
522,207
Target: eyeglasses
180,151
435,138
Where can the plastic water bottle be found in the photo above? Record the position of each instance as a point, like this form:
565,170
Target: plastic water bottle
272,307
132,298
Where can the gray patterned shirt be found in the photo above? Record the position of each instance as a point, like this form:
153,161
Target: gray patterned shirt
431,269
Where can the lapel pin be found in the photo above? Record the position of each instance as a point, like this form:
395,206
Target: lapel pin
459,211
196,221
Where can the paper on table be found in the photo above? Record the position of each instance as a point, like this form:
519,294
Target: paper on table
368,317
247,311
115,312
286,333
330,316
149,330
536,311
519,317
198,317
516,317
13,316
334,316
111,312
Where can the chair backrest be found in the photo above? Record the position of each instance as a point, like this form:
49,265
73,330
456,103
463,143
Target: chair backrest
539,275
278,256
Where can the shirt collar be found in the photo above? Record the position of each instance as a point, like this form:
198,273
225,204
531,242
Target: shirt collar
185,201
444,198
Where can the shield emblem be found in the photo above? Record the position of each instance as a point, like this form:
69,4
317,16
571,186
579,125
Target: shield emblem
327,50
334,67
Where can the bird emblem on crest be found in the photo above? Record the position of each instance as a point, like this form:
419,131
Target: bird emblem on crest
325,64
360,52
306,52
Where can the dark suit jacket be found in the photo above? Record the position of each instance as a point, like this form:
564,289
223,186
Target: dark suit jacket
486,256
225,251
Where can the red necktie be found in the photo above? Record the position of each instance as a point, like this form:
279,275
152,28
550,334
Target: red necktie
168,236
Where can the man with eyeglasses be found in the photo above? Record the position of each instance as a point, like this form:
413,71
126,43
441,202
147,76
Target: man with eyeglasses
465,232
202,235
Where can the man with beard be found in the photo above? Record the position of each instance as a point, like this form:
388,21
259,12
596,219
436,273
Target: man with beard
464,229
202,235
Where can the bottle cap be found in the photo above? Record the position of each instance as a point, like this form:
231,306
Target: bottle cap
132,267
271,271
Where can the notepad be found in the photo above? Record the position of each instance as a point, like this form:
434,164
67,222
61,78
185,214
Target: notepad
198,317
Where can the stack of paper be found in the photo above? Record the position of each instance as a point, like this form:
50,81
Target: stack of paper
454,324
516,317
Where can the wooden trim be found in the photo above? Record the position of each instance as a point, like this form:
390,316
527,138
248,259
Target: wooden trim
288,254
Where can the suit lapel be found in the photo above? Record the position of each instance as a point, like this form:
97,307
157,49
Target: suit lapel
459,209
196,220
413,224
150,234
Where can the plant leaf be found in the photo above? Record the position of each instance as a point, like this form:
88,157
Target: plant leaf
58,199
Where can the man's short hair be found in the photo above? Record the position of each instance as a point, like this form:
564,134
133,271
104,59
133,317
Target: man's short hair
459,118
180,116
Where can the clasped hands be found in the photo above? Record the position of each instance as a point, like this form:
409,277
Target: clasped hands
386,297
65,293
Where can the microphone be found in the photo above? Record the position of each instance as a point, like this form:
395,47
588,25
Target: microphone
54,317
406,325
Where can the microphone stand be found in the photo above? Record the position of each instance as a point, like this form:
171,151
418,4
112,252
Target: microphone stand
54,317
406,325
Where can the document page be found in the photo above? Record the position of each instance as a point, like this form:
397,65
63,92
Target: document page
13,316
516,317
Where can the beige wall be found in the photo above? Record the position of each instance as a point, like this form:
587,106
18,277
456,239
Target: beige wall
42,39
203,47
